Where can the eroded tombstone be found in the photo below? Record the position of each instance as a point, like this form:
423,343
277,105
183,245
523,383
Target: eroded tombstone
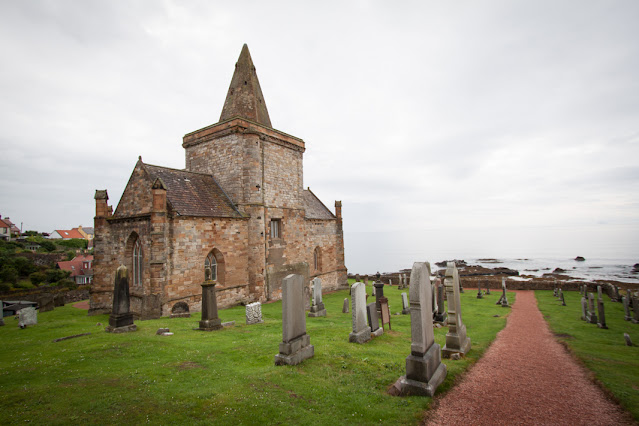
487,289
456,339
635,304
440,315
317,305
503,299
385,312
296,344
405,306
617,297
626,308
210,320
46,303
361,331
345,307
424,369
584,308
626,336
373,320
479,295
254,313
599,294
27,316
433,289
180,310
601,323
121,318
561,298
365,279
379,293
592,316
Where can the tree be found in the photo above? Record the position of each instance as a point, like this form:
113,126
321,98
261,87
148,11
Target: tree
37,278
24,266
9,274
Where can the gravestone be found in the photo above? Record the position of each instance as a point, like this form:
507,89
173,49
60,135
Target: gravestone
487,289
385,312
461,287
629,298
555,292
405,306
317,305
592,316
503,300
58,300
440,315
365,279
357,278
599,294
626,336
600,310
617,297
433,290
626,308
373,320
296,344
456,339
345,307
46,303
210,320
424,369
379,293
479,295
373,291
361,331
254,313
180,310
27,316
561,298
121,318
635,304
584,309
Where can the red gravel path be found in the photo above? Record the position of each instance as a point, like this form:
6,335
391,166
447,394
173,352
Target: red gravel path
527,378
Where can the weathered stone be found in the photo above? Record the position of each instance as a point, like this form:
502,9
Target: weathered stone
601,323
379,294
317,305
635,304
180,310
162,330
561,298
599,294
210,320
626,336
296,344
254,313
592,316
626,308
58,300
584,309
46,303
345,306
405,306
27,316
440,316
456,339
361,331
424,369
366,279
503,299
121,318
373,320
479,295
385,312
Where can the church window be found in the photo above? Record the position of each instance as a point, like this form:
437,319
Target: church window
276,228
317,259
210,268
137,263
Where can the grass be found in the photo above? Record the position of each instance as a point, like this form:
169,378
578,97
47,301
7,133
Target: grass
602,351
227,376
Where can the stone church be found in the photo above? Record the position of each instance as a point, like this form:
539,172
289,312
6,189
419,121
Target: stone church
237,214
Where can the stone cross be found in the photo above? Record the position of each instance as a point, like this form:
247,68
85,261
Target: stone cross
440,315
592,316
405,306
254,313
210,320
121,318
296,344
27,316
424,369
361,331
317,305
456,339
345,307
600,310
373,320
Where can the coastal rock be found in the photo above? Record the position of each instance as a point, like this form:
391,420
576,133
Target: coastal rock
579,259
458,263
635,268
558,271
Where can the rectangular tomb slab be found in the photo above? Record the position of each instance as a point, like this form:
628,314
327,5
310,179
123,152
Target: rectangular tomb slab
295,346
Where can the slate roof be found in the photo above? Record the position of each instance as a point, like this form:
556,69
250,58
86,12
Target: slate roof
193,194
315,209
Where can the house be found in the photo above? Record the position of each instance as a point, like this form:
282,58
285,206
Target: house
237,215
66,234
8,230
81,268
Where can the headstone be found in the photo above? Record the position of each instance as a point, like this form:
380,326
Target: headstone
599,294
27,316
405,306
626,336
433,290
461,287
592,316
617,297
46,303
390,281
635,304
317,305
561,298
373,291
366,279
210,320
600,310
626,308
58,300
254,313
584,309
487,289
296,344
503,300
379,294
357,278
424,369
479,295
180,310
345,307
456,339
440,315
361,331
385,312
121,318
373,320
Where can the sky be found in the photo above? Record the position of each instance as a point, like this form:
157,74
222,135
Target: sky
447,129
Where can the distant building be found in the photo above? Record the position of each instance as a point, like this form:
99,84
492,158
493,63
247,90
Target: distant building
81,268
8,230
61,234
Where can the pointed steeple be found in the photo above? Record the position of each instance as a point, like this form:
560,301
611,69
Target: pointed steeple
244,98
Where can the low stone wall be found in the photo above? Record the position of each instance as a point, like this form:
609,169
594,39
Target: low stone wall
36,294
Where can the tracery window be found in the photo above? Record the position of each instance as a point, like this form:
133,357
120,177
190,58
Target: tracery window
210,268
137,263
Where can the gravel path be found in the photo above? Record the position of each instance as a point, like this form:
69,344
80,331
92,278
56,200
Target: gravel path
526,378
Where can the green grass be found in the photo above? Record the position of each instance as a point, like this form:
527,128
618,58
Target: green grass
227,376
602,351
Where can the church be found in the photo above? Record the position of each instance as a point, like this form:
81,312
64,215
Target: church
238,214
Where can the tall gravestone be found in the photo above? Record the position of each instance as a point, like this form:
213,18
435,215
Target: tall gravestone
503,300
456,339
615,289
601,323
479,295
584,308
433,289
440,315
599,293
361,331
635,304
210,320
121,318
561,298
345,307
626,308
365,279
424,369
296,344
317,305
405,305
592,316
379,292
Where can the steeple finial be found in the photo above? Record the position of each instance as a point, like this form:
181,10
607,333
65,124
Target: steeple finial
244,98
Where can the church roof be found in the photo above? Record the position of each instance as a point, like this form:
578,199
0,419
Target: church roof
193,194
315,209
244,98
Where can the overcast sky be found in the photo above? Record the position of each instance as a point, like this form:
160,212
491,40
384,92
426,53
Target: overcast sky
474,126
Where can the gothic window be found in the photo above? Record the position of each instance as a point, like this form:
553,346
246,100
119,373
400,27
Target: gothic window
317,259
210,268
276,228
137,263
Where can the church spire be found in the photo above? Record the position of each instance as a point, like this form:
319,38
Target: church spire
244,98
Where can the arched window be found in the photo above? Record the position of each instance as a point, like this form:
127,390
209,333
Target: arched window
317,259
210,268
137,263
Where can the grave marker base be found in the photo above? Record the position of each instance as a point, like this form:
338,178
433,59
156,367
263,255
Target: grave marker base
361,337
295,351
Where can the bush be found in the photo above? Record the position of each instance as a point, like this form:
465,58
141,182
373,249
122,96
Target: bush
24,266
70,255
5,288
47,245
9,274
38,278
54,275
67,283
23,284
73,243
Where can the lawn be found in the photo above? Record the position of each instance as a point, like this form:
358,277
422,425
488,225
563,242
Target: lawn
602,351
227,376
